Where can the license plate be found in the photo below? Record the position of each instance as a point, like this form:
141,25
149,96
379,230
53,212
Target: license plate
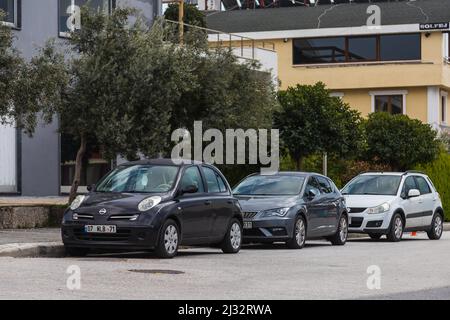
248,225
100,229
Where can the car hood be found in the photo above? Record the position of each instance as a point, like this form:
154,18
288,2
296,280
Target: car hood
366,201
260,203
114,202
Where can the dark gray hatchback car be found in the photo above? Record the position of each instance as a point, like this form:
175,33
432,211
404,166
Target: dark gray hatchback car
292,207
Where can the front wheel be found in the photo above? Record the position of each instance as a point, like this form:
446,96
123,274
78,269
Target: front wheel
396,231
233,239
299,238
437,226
168,242
340,237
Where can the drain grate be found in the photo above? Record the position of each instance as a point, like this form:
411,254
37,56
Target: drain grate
151,271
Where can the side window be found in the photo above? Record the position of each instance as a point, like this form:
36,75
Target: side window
211,180
222,184
409,184
422,185
325,186
192,177
312,185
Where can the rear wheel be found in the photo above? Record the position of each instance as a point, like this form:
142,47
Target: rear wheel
437,227
168,242
340,237
233,239
375,236
299,238
396,231
76,252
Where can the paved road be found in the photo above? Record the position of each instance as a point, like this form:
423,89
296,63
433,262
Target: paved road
416,268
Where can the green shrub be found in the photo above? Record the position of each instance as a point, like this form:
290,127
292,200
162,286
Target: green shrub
439,173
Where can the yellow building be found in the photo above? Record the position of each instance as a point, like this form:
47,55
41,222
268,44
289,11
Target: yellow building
392,57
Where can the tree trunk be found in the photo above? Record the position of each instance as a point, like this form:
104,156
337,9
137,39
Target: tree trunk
78,168
299,163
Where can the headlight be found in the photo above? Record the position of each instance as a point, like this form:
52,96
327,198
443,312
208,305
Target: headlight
77,202
280,212
380,209
148,203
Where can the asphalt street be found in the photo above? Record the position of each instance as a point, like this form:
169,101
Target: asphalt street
415,268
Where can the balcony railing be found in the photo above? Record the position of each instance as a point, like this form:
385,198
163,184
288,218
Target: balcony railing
239,44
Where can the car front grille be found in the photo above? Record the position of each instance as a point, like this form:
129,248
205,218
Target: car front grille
357,210
131,217
249,215
356,222
121,235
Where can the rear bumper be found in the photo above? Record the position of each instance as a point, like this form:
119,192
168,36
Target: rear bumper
269,230
127,237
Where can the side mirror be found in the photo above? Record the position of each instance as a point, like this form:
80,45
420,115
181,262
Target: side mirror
312,193
189,189
91,187
413,193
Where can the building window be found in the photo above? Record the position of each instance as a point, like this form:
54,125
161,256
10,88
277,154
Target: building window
393,102
69,13
362,48
444,99
357,49
11,10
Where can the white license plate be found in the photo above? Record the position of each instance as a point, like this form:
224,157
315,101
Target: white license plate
100,229
248,225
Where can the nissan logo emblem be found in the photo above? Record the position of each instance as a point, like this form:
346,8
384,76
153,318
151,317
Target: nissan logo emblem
102,211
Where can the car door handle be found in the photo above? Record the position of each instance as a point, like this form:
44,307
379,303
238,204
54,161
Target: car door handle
207,202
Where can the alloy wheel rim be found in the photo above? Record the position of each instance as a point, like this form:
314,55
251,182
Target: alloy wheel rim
235,236
171,239
398,230
300,232
438,226
343,233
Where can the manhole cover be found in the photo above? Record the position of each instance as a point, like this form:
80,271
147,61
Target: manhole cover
150,271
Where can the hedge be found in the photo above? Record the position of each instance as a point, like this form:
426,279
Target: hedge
439,173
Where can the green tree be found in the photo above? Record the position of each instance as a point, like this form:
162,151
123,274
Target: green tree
311,122
192,15
400,142
122,83
26,87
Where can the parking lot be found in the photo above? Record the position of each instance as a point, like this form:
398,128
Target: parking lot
414,268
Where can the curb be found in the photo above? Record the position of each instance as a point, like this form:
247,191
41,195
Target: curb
18,250
447,226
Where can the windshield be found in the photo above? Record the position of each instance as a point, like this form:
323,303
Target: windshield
139,179
270,185
373,185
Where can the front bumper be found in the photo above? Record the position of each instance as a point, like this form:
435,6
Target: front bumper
127,237
369,223
269,229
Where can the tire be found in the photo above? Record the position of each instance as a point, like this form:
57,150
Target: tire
232,241
169,240
437,226
298,240
375,236
76,252
396,230
340,237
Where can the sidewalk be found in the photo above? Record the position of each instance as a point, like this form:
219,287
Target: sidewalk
30,235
